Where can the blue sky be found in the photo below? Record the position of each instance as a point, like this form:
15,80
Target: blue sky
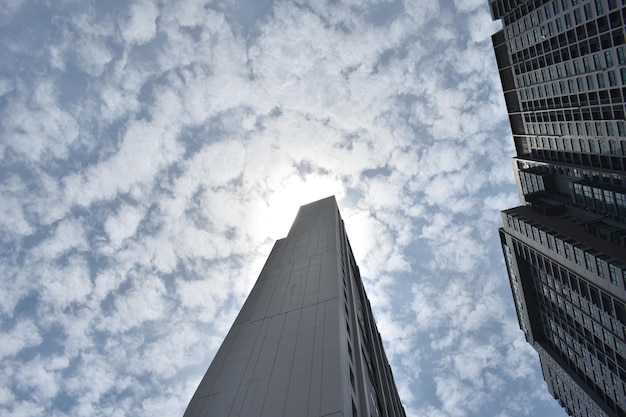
151,153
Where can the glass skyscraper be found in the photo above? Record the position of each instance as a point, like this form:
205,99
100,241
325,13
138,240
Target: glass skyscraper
305,342
562,66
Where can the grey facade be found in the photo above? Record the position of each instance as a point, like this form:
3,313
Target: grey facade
305,342
562,66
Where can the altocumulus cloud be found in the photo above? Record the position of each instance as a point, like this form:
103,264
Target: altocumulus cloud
151,152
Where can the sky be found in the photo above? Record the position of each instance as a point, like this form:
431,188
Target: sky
151,152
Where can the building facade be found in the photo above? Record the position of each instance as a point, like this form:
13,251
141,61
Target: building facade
562,66
305,342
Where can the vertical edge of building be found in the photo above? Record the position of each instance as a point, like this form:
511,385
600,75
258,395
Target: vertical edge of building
305,342
562,66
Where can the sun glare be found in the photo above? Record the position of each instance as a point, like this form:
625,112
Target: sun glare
295,191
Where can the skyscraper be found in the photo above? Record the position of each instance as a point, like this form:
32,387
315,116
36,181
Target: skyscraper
305,342
562,67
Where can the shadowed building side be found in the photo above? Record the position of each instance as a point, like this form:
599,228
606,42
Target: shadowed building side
562,66
305,342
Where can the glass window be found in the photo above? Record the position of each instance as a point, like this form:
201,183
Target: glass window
599,130
589,261
612,78
578,255
590,82
609,128
559,245
608,58
568,250
620,202
621,57
592,145
601,83
565,4
577,16
596,61
599,8
597,197
600,266
614,273
587,9
609,201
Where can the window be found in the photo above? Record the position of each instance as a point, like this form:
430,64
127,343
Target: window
568,250
621,57
578,255
590,82
599,8
601,83
589,258
620,202
614,273
596,61
587,9
599,131
608,58
609,128
612,78
559,245
592,145
600,267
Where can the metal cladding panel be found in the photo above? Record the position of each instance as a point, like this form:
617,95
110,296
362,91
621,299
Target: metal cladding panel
282,367
297,401
332,375
281,357
287,352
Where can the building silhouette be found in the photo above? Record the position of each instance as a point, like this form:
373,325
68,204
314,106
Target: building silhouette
305,342
562,66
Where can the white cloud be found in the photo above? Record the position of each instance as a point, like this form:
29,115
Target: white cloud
140,27
123,225
23,335
139,211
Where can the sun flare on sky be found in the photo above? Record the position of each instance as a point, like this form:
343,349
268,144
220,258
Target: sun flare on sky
296,191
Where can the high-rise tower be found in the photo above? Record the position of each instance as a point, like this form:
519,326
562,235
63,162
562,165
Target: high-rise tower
562,66
305,342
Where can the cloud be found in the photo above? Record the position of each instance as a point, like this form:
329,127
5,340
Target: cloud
140,26
23,335
154,152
